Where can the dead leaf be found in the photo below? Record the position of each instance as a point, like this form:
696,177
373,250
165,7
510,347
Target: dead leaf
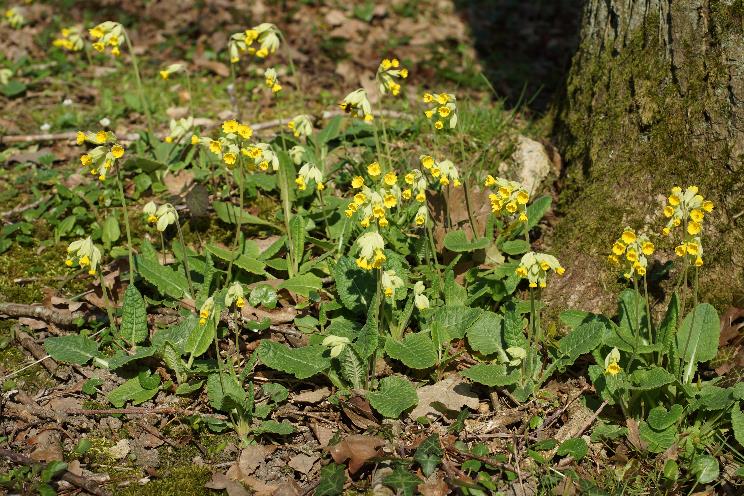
177,112
212,65
315,396
322,433
281,315
302,463
32,323
260,488
48,446
434,488
357,449
177,183
359,412
450,392
732,323
335,17
634,436
289,488
220,482
250,458
74,468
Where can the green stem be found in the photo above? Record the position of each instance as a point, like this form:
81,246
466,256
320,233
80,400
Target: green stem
388,155
465,191
162,245
185,257
238,220
122,199
107,302
649,322
284,193
191,93
137,78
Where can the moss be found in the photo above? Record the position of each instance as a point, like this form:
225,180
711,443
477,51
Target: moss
631,128
185,481
13,358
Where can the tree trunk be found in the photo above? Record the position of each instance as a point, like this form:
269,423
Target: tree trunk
654,99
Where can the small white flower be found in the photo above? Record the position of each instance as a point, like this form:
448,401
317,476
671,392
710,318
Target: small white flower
105,122
45,127
336,344
67,102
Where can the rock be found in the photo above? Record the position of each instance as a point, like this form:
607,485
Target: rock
533,162
120,450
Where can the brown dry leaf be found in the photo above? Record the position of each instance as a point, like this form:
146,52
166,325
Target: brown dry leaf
315,396
260,488
434,488
250,458
634,436
65,303
280,315
177,112
732,323
221,481
177,183
322,433
289,488
302,463
34,324
357,449
48,446
212,65
566,487
450,392
359,412
335,17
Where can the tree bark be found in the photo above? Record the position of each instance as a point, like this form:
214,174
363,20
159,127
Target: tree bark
654,99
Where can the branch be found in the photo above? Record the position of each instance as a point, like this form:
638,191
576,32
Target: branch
87,485
52,315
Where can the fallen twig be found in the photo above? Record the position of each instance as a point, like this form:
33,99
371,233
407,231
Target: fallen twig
22,208
39,353
134,410
87,485
47,314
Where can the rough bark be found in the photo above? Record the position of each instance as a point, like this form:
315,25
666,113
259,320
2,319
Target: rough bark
655,98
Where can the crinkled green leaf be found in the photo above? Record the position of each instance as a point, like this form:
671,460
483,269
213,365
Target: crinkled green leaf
659,418
224,391
166,280
133,327
303,284
353,369
300,362
650,378
456,320
282,428
200,338
403,481
332,480
485,335
429,454
697,338
395,395
491,374
514,330
657,441
416,350
75,348
574,447
583,339
355,286
705,468
458,241
133,391
737,423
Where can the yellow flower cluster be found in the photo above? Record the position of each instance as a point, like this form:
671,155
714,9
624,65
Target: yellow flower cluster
235,295
390,283
443,111
357,104
444,172
510,196
265,34
535,267
14,17
687,207
301,125
371,251
107,34
633,249
234,143
101,159
70,39
272,80
162,216
373,204
309,172
178,129
388,72
83,253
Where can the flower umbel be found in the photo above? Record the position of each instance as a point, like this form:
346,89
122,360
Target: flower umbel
357,104
108,34
535,267
388,74
510,197
84,254
371,251
687,208
631,251
443,112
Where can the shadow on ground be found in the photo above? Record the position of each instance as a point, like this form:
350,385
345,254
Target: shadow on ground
525,47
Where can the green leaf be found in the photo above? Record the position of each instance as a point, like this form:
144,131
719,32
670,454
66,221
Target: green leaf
297,235
144,164
583,339
515,247
225,392
250,265
353,369
227,212
368,340
133,391
650,378
188,387
263,295
671,470
167,281
632,312
75,348
737,423
330,131
705,469
454,294
416,351
332,480
110,232
176,334
283,428
611,432
303,284
200,338
133,317
300,362
668,326
657,441
659,418
395,395
52,470
491,374
355,287
456,320
697,338
429,454
514,330
13,88
575,447
485,335
403,481
537,210
457,241
121,358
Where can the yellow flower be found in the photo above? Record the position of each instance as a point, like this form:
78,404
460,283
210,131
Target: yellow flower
364,222
708,206
694,228
409,178
390,201
523,197
428,98
357,182
117,151
245,131
373,169
443,111
613,258
98,46
680,250
692,248
80,137
628,236
618,248
229,158
421,197
215,146
427,161
230,126
301,184
613,368
86,160
439,125
647,248
194,139
101,136
360,198
390,178
668,211
631,255
383,222
698,262
674,200
406,194
697,215
164,74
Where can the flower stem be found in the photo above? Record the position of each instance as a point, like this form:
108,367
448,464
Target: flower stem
238,219
284,193
465,191
137,78
185,257
122,199
107,302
